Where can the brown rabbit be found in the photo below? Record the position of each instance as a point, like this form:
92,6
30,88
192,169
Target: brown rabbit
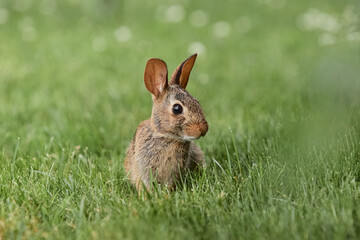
162,147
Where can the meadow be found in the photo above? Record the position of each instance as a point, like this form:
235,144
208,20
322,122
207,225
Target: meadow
279,84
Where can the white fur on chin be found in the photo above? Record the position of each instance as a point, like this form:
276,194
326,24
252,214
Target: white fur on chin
188,138
175,137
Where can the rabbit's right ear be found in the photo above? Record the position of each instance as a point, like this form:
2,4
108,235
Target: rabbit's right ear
182,72
155,76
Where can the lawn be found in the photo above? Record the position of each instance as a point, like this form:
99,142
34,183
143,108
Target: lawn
279,84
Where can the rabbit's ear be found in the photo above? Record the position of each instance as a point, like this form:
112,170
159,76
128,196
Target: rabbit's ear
155,76
182,72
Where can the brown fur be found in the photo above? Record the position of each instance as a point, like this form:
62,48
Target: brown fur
162,145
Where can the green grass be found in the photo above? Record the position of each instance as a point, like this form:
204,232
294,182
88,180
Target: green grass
282,102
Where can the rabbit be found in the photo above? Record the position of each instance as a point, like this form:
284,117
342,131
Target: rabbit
162,149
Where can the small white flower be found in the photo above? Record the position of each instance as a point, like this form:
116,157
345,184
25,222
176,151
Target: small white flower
4,15
123,34
314,19
174,13
199,18
99,44
197,47
221,29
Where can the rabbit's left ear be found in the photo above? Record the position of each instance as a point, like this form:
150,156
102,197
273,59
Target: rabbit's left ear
182,72
155,76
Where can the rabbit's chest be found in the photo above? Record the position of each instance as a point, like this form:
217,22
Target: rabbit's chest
173,156
171,164
167,159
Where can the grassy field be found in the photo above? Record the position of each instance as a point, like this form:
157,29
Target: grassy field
279,82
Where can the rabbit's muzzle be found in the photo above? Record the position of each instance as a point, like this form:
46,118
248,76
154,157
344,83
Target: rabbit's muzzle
203,128
195,130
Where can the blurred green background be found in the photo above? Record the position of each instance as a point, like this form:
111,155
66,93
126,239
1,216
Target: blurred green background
279,84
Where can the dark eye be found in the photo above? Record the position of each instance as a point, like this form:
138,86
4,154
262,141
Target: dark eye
177,109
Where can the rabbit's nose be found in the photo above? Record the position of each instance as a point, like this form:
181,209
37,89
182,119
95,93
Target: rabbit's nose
203,127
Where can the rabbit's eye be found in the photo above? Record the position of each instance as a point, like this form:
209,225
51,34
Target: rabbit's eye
177,109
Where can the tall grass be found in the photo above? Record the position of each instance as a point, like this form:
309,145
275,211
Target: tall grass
279,84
